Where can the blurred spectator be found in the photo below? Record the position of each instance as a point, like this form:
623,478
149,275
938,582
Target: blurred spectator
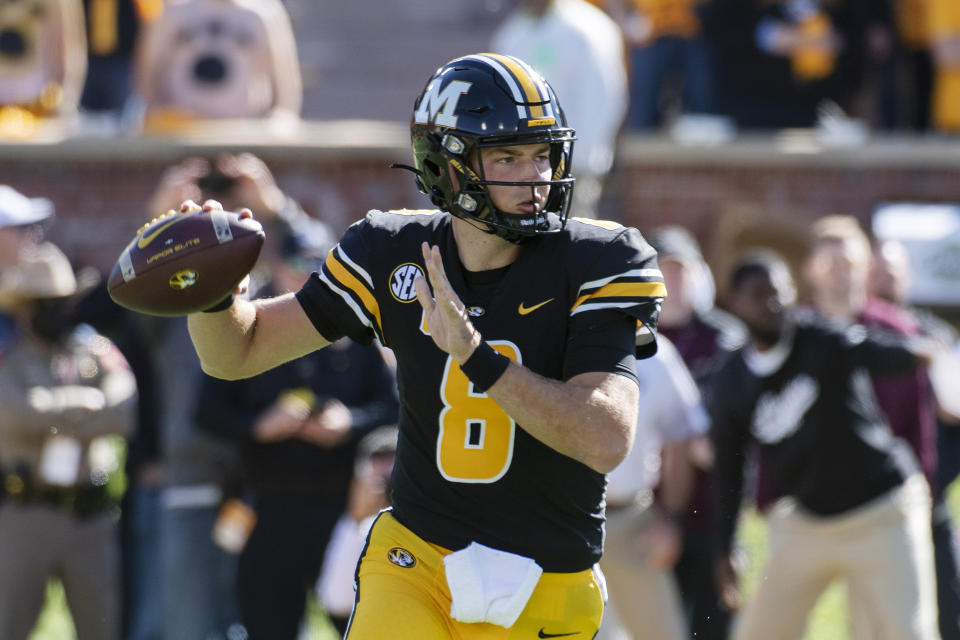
20,223
644,540
113,27
837,270
63,389
297,427
42,62
238,180
781,62
140,507
198,600
579,50
202,471
667,50
211,59
944,22
897,42
369,493
888,280
852,504
704,336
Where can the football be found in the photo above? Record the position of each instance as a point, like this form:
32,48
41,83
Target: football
181,263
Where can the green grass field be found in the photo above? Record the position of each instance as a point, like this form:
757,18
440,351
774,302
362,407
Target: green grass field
827,622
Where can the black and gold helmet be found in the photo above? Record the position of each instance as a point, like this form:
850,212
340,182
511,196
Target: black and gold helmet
489,100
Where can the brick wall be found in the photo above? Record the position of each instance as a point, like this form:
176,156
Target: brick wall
748,189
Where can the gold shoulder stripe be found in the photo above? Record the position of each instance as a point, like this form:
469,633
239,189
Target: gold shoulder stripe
625,290
348,280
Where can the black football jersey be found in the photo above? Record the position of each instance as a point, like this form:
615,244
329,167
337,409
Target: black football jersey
815,420
465,471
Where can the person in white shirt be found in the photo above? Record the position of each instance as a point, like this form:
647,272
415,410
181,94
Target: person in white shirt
579,50
643,538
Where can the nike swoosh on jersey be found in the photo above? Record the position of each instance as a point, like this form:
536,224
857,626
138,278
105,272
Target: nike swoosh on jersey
522,310
544,634
144,241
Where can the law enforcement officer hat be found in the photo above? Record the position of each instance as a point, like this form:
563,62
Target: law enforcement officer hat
42,271
17,210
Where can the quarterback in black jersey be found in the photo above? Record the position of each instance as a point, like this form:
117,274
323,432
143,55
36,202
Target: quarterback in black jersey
515,332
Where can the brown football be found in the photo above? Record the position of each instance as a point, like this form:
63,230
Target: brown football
181,263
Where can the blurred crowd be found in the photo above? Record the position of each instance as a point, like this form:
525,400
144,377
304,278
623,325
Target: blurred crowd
175,506
702,67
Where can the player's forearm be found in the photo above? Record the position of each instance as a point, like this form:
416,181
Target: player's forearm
251,337
223,339
590,418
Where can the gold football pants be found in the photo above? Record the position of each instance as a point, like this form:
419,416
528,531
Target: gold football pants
403,595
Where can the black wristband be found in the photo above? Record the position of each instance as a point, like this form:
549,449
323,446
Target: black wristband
484,367
226,303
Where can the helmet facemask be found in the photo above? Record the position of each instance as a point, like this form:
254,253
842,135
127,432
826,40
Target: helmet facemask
448,158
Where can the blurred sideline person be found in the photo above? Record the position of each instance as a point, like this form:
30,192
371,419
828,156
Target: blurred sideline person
297,427
851,502
61,390
837,270
21,222
214,59
113,32
579,50
943,20
643,538
889,279
201,470
369,494
139,522
43,63
666,38
704,336
516,366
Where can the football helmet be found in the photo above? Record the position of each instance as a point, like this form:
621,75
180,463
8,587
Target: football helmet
489,100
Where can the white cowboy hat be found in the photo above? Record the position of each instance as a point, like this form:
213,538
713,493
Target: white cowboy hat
42,271
17,209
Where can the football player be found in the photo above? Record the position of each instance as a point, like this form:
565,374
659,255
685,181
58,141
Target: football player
515,331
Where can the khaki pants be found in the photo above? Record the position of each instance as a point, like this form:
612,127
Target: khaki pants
882,550
646,600
40,541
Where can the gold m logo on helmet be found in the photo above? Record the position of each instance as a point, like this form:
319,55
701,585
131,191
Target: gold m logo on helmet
183,279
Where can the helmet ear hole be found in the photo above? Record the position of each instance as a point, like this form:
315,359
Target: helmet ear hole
432,167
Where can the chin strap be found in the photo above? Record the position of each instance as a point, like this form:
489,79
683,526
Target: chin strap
400,165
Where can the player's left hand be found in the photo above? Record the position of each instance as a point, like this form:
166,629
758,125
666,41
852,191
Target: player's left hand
450,326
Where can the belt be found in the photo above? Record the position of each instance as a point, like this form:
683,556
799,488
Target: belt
79,501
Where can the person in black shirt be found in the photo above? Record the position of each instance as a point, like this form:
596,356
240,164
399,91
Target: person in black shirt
298,427
852,504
